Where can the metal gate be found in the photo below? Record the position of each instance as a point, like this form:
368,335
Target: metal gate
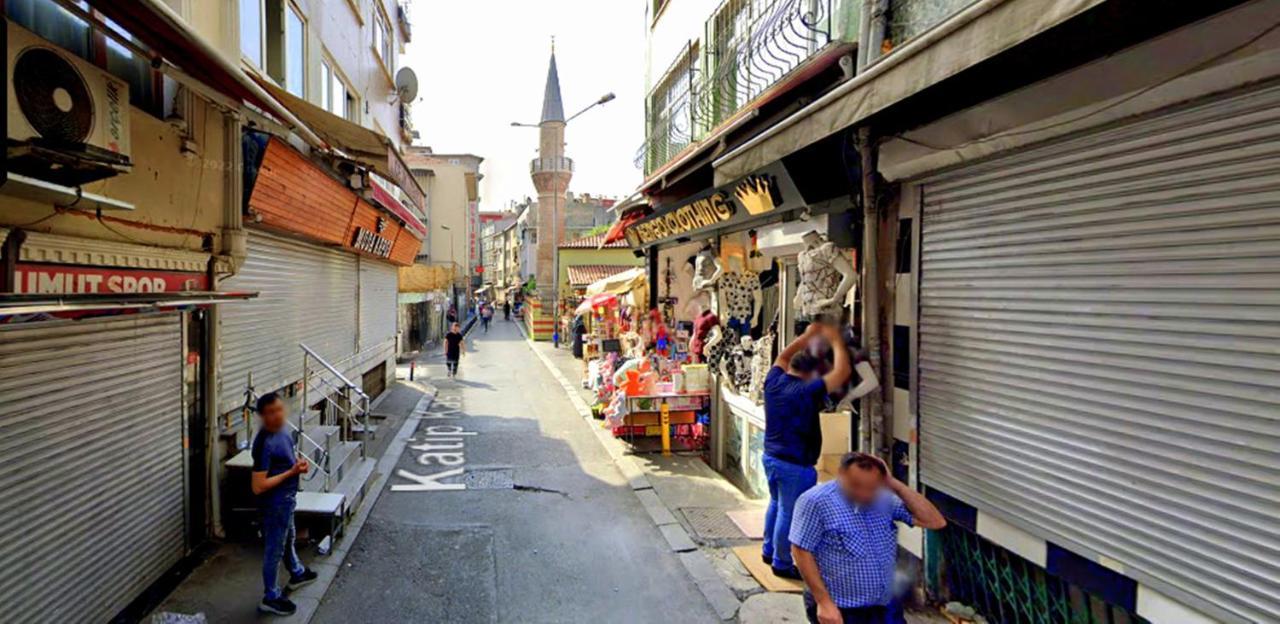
1099,349
307,294
379,283
91,464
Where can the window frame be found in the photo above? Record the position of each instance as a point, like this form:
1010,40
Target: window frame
261,63
292,7
382,24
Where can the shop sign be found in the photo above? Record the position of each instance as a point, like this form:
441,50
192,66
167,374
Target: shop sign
752,196
66,279
372,242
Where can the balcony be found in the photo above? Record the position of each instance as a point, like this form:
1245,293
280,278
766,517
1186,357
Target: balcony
551,163
750,46
402,18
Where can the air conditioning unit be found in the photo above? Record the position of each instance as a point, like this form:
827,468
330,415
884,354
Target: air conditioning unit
68,119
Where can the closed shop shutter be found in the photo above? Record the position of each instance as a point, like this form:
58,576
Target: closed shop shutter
378,293
1099,355
91,464
307,294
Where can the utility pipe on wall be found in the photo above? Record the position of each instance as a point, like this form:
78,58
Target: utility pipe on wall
871,424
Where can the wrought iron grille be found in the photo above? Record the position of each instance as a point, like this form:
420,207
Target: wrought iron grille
750,46
1007,589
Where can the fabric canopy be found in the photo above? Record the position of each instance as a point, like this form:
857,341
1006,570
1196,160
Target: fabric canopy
619,284
423,278
595,301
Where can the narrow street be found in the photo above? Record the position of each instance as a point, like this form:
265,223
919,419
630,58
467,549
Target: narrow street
546,530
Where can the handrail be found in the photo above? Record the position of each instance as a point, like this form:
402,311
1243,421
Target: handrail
331,369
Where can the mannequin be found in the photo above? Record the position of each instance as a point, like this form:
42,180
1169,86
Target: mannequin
761,361
867,383
705,325
706,272
826,276
736,368
740,294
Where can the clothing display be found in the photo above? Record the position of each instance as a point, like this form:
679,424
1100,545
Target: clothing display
706,269
761,361
738,294
701,328
719,349
738,365
819,280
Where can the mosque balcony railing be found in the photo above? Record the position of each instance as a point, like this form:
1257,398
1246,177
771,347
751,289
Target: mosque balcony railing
551,163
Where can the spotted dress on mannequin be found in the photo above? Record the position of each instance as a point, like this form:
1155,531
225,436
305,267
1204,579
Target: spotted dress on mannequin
737,298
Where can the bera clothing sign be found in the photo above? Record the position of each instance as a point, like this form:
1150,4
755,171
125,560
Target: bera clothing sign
63,279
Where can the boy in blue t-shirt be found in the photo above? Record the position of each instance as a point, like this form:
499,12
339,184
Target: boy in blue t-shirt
276,467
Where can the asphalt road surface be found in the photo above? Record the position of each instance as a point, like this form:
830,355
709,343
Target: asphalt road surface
547,529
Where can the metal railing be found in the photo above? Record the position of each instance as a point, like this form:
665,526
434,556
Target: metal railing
551,163
750,45
250,406
344,404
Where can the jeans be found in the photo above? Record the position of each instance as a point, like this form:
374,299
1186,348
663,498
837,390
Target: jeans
451,366
850,615
787,481
278,535
742,325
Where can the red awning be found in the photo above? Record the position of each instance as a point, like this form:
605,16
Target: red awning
618,230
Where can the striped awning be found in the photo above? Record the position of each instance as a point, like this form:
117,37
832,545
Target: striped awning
584,274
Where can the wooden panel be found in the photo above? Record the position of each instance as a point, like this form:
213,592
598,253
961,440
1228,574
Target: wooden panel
406,247
293,194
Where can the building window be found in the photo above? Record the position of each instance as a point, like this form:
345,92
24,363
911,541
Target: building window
670,125
97,40
383,40
335,96
251,19
295,34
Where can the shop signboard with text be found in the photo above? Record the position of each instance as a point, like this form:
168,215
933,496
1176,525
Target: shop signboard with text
759,195
67,279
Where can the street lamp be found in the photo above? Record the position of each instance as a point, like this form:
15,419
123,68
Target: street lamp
555,205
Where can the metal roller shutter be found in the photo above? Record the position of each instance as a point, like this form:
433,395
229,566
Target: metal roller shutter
1099,355
91,472
379,283
307,294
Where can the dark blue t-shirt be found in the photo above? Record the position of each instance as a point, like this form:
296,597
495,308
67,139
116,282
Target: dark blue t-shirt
792,428
273,452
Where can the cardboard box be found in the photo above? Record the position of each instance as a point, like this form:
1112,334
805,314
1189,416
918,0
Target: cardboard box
835,432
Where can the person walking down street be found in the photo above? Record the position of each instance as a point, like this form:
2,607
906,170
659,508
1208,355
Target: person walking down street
486,315
452,315
847,584
506,310
453,349
274,480
794,394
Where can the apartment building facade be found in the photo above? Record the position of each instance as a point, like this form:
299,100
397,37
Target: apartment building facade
1055,207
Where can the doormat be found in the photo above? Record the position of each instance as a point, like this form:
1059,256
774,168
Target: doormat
711,523
749,555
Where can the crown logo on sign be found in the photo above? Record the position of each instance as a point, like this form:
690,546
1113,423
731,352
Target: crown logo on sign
756,194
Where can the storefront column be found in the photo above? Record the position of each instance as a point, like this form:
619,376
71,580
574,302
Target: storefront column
871,428
652,253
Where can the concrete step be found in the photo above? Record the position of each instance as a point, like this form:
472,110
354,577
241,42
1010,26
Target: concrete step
355,486
345,456
326,438
358,431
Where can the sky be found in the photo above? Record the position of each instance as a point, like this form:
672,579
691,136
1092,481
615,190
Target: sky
482,64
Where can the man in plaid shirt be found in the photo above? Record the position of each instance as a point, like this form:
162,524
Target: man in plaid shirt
845,543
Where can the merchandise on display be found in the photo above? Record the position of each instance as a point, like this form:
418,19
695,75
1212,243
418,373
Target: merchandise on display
826,276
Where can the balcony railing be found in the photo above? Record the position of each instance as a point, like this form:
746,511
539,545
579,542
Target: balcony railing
551,163
750,45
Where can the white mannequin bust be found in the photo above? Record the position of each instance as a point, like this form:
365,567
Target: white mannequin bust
826,276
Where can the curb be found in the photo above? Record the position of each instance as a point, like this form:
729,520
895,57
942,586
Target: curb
308,598
714,589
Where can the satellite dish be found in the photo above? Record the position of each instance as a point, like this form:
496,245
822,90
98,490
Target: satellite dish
406,85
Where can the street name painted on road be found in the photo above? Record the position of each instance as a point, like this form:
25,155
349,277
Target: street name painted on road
438,445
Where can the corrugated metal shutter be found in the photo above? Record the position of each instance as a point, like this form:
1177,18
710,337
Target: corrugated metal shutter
307,294
1100,346
378,314
91,472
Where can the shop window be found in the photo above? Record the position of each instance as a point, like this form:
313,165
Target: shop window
905,252
97,40
902,357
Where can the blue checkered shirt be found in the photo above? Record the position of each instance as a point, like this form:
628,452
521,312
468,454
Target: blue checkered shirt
856,547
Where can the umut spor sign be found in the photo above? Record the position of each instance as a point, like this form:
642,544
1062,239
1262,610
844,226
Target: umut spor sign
66,279
752,196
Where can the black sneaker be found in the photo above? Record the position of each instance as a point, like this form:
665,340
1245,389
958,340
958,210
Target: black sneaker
306,578
277,606
787,573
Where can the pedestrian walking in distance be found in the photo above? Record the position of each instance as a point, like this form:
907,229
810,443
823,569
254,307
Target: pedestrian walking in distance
453,349
486,315
506,310
794,395
846,585
276,468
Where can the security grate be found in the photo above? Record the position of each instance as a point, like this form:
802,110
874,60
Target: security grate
710,523
1007,589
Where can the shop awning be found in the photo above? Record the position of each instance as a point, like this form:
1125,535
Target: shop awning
979,32
619,284
594,301
424,278
366,146
34,304
585,274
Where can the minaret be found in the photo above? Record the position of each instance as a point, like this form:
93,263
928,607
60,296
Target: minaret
551,172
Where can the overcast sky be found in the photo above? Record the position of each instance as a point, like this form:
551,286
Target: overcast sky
482,64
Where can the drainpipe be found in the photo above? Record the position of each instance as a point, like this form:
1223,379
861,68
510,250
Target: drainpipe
226,263
871,425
